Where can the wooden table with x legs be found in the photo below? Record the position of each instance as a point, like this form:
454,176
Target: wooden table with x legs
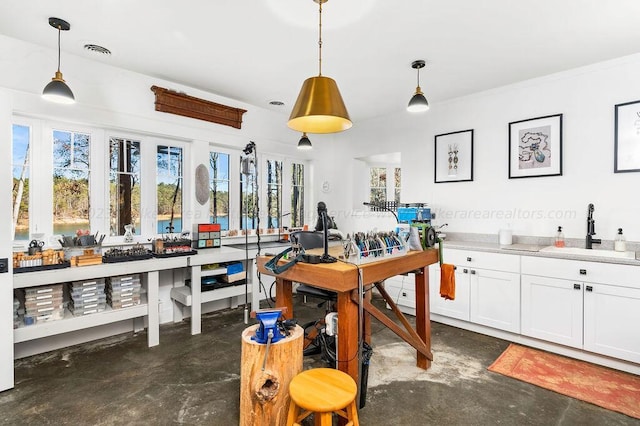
343,278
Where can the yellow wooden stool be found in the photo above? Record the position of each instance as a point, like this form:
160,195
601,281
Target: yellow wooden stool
322,391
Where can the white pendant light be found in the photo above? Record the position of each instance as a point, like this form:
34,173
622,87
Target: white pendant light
418,102
57,90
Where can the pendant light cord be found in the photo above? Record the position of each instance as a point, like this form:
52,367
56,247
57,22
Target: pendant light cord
418,78
320,39
59,29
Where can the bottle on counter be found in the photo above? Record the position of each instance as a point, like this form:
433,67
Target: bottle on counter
619,243
559,238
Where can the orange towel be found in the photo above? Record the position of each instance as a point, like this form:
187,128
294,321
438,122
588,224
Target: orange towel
447,281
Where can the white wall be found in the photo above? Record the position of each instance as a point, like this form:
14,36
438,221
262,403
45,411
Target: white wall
6,280
585,96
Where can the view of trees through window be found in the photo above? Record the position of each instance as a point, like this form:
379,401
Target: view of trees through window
396,187
297,194
70,181
219,173
20,166
379,185
274,193
169,188
124,185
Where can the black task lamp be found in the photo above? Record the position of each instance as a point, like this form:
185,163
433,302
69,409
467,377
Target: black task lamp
322,213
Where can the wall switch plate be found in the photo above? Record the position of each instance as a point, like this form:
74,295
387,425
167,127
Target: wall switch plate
4,265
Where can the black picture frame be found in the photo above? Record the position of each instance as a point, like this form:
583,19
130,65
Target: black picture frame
535,147
453,157
626,145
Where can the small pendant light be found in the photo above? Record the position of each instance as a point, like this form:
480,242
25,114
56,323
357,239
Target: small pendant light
319,107
57,90
418,102
304,144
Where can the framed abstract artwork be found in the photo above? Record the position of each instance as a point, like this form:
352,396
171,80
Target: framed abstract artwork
627,138
535,147
454,157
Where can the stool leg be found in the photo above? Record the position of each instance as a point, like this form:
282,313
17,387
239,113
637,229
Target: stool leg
292,416
352,413
324,419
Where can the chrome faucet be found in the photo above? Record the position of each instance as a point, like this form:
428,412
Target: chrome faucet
591,229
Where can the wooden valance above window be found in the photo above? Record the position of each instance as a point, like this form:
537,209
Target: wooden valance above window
180,104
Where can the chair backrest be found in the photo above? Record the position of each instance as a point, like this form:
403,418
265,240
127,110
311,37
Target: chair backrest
309,239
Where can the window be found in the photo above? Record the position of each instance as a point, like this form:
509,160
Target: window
20,165
274,193
70,181
297,194
169,189
396,184
124,185
219,173
378,185
382,192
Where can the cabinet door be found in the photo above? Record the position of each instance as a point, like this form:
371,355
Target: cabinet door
495,299
457,308
611,321
552,310
401,289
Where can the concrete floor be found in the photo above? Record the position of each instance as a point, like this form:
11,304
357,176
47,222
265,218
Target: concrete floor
195,380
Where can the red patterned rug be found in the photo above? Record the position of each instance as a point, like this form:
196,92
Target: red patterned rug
610,389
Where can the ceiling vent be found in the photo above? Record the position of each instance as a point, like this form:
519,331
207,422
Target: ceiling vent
97,49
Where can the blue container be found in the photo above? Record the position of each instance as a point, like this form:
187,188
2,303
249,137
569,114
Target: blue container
234,268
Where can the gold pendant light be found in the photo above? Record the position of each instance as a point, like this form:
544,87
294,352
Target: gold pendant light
319,107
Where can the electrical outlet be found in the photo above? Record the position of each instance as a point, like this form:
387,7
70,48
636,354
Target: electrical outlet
4,265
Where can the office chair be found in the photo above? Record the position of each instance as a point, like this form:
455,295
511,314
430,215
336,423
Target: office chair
316,341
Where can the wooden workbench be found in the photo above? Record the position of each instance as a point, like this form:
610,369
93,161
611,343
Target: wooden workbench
342,278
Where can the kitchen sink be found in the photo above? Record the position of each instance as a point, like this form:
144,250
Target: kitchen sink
589,252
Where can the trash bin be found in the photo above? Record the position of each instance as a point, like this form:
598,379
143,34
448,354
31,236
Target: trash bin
367,351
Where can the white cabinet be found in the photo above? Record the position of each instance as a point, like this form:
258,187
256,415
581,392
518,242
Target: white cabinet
552,310
495,299
587,305
457,308
488,286
402,291
611,321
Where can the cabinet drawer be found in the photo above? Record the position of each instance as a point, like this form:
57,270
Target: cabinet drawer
483,260
577,270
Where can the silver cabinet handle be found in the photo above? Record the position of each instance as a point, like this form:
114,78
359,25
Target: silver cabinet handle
468,259
577,286
465,271
473,272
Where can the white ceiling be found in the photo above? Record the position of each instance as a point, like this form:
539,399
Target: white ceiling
262,50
